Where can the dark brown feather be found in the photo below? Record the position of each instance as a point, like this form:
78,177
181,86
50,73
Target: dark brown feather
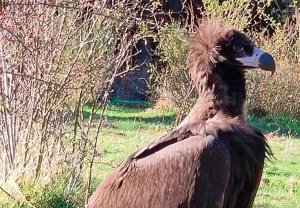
182,172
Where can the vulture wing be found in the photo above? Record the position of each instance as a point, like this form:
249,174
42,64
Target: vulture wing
248,148
190,167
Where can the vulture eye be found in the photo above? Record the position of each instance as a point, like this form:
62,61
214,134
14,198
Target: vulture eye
237,48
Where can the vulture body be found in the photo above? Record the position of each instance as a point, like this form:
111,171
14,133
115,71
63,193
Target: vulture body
213,159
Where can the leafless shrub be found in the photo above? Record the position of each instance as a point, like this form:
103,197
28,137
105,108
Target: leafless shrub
54,61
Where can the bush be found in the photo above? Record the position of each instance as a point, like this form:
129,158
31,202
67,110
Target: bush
174,87
277,95
53,61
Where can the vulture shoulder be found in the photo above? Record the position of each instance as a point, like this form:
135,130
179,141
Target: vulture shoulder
190,167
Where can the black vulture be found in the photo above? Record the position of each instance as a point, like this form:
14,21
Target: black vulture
213,158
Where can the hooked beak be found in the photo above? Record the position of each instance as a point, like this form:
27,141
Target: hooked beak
259,59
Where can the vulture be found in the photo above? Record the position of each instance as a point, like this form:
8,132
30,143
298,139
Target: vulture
213,159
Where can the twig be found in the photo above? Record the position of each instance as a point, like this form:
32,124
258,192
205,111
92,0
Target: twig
8,194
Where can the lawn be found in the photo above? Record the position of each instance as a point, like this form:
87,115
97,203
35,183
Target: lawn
129,128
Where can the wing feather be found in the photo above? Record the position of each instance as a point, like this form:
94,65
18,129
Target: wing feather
195,166
178,175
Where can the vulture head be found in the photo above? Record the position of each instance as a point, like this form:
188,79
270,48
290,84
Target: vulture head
218,58
225,45
237,50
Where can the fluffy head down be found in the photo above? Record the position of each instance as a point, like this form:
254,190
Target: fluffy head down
204,49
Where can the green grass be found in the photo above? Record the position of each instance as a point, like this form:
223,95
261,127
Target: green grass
125,117
129,128
53,195
283,124
132,128
280,186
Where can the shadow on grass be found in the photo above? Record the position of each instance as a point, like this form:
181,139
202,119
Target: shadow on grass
131,103
125,111
130,111
167,120
161,119
135,104
57,201
284,125
264,205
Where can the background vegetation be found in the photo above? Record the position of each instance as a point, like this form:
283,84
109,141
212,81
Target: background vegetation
278,94
59,133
